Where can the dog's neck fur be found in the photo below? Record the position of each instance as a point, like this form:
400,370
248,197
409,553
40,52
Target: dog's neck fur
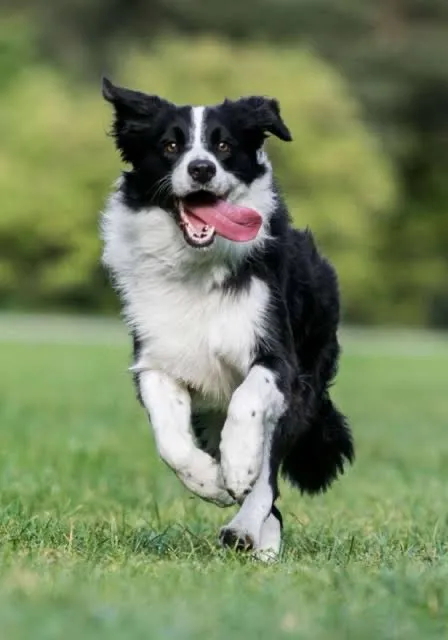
178,298
189,326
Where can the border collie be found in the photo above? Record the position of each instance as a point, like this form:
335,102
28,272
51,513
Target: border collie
232,312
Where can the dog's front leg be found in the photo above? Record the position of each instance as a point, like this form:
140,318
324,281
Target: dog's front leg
254,410
249,470
257,525
169,407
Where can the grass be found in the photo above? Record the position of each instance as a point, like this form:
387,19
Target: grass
99,540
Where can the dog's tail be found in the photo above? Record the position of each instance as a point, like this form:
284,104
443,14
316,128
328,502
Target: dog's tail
320,452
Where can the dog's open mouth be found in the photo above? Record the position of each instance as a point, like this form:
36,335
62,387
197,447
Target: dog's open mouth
202,215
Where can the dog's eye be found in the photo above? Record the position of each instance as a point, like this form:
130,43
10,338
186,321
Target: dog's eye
223,146
171,147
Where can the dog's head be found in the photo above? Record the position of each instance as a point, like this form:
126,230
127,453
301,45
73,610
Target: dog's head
204,165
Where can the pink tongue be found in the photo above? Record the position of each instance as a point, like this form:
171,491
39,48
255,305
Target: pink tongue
230,221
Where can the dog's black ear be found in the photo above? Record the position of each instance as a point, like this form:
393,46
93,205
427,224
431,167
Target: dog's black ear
129,102
258,112
135,113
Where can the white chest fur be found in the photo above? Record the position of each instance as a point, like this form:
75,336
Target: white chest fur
189,326
204,339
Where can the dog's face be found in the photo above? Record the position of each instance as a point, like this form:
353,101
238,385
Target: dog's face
203,165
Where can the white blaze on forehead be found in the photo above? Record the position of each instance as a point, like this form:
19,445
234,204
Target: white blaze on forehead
181,180
197,134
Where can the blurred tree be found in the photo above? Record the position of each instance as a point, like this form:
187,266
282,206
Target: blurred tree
397,64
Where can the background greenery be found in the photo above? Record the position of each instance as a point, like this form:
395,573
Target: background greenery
364,88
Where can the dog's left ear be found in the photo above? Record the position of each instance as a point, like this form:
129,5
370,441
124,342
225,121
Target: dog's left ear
258,112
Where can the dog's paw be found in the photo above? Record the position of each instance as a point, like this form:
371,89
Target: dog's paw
268,549
204,478
221,498
264,545
239,481
236,540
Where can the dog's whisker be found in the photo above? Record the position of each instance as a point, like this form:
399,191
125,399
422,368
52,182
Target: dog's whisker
162,187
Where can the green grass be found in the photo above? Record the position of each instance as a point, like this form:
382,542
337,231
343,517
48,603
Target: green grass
99,540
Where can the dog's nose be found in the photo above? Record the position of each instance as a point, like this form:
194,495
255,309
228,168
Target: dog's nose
201,170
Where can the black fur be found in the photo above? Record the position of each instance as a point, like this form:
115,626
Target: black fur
313,440
144,123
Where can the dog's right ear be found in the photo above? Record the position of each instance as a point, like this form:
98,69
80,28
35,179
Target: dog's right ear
135,114
129,102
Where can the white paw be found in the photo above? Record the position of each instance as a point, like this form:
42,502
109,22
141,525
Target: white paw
267,556
237,539
268,549
243,532
203,477
264,544
239,481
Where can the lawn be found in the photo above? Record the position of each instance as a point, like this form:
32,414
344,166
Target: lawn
99,540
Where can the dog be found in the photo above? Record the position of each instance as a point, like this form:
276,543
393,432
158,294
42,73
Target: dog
233,314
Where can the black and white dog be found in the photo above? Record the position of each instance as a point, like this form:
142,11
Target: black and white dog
233,313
